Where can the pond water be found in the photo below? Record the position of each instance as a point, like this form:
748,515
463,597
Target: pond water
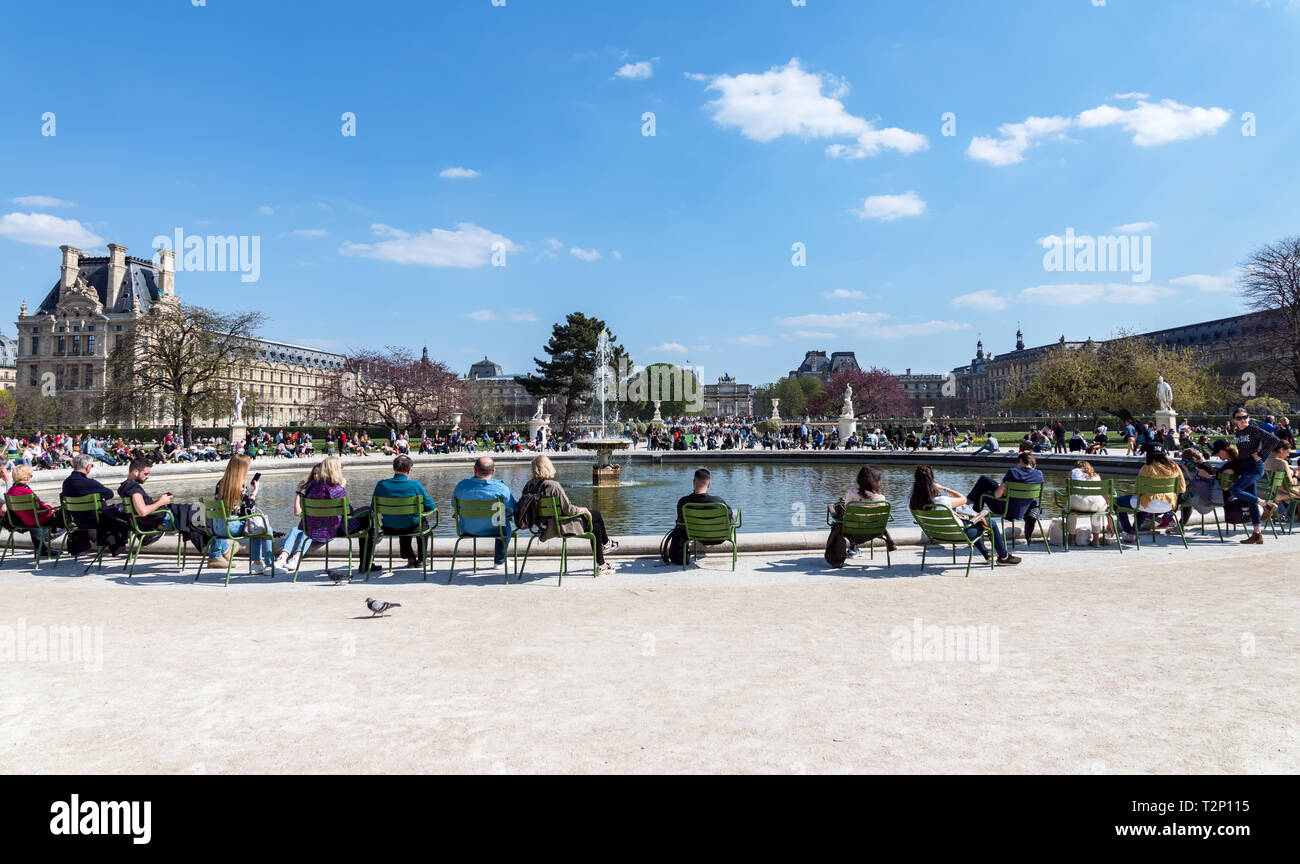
774,496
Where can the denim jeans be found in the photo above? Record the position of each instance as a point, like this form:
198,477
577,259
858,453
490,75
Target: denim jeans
295,542
1244,488
258,549
986,447
973,531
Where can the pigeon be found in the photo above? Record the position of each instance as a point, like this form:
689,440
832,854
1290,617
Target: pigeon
338,577
379,607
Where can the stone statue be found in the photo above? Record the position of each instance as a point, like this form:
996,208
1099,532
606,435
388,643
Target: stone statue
541,406
1165,394
847,410
239,407
776,409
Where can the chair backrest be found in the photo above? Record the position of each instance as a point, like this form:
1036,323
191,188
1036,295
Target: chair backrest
1024,491
549,508
707,521
325,508
1156,486
492,508
865,518
16,503
1088,488
70,504
1277,482
941,524
403,505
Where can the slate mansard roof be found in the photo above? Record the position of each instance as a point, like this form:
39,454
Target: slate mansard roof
140,280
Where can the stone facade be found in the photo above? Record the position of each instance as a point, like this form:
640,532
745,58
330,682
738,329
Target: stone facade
514,402
728,399
64,346
821,367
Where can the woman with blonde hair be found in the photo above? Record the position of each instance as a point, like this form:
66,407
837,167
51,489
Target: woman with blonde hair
331,484
240,498
1092,506
544,485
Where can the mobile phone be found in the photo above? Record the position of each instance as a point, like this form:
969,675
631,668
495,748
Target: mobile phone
257,476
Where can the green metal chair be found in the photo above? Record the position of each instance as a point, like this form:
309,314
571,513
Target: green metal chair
1276,483
1087,488
411,506
215,510
137,535
1019,492
865,520
941,525
494,509
14,504
69,505
1153,486
326,508
549,508
709,523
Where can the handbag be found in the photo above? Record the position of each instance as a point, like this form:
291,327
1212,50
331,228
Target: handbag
256,523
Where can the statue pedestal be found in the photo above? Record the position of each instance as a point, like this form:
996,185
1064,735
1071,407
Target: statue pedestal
605,475
536,424
847,426
1168,419
238,432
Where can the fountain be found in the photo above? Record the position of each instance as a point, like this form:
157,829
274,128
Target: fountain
605,472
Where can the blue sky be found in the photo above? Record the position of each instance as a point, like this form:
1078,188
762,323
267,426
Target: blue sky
774,125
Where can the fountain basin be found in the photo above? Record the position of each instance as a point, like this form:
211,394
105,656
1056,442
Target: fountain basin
605,472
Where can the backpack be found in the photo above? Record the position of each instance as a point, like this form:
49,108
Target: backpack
837,547
673,547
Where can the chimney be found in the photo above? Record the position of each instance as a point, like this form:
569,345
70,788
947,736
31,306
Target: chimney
71,266
167,271
116,271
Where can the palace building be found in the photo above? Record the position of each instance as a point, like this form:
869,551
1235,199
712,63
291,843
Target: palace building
63,347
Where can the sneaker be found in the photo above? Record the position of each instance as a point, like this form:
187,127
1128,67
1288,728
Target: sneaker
1010,560
852,551
290,563
1129,537
282,562
258,567
611,546
604,568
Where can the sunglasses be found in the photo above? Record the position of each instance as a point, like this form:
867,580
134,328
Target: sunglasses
1242,417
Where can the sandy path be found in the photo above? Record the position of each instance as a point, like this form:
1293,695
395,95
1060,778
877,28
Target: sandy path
1162,661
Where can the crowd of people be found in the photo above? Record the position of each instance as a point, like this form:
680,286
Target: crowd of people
1207,475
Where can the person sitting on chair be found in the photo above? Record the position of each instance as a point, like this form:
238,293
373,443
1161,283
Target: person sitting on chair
866,488
400,485
45,514
701,484
146,508
1158,466
483,486
323,529
927,493
544,485
1025,471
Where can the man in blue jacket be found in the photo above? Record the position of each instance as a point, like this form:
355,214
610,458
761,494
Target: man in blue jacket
483,486
400,485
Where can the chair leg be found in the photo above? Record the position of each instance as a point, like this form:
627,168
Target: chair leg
454,547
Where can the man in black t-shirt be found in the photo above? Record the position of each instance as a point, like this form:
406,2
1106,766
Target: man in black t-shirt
132,489
703,480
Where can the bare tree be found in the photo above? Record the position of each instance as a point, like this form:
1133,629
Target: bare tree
1270,283
391,387
180,361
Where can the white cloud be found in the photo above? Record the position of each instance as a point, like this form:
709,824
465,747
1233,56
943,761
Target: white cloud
266,210
618,256
786,100
522,316
834,321
1153,124
1076,294
636,71
890,207
988,300
310,232
1136,227
1016,139
812,334
42,229
845,294
482,315
467,246
457,172
584,254
670,348
751,340
489,315
1150,123
1205,283
40,201
1132,95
